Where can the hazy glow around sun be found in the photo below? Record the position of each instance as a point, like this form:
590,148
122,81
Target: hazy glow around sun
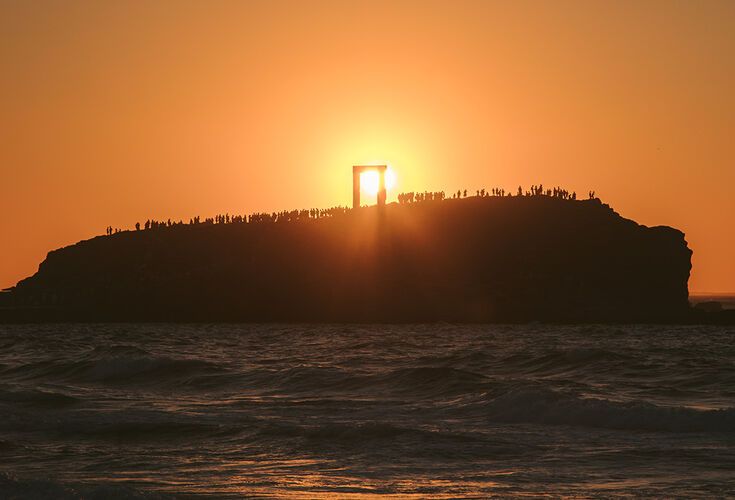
370,180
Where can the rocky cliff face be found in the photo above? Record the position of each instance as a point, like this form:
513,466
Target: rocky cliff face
474,259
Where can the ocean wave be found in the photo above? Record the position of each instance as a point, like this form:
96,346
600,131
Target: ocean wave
116,350
545,406
36,397
562,360
422,381
144,431
114,366
130,426
366,433
154,369
433,380
13,488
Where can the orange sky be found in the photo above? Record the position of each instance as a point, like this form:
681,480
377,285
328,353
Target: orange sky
114,112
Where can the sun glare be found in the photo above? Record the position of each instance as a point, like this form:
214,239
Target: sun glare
370,180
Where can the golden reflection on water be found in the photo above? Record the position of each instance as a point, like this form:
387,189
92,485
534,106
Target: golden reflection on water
318,479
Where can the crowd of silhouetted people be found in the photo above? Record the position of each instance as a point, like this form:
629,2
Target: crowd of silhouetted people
556,192
319,213
254,218
297,215
425,196
536,190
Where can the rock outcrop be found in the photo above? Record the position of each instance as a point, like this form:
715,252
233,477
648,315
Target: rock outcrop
475,259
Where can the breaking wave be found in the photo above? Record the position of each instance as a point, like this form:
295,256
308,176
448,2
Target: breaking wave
543,406
115,365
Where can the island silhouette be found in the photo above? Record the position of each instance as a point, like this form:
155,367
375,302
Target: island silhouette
537,254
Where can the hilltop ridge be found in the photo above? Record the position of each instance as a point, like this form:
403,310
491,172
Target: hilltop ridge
495,258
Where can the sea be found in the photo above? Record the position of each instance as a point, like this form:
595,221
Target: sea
117,411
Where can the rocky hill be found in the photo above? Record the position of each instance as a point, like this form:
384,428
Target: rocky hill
525,258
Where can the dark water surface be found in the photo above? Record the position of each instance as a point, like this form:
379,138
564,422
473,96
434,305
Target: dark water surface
441,411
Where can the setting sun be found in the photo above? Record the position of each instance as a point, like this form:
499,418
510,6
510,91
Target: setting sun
369,181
